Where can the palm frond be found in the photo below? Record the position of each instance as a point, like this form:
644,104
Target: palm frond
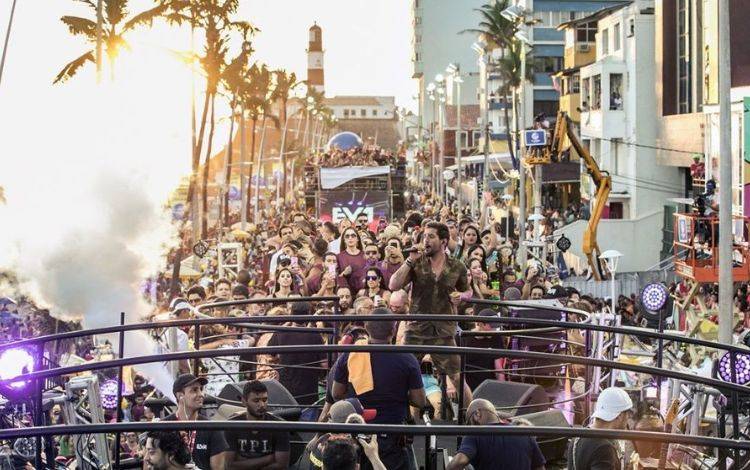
71,68
115,11
89,3
80,26
145,18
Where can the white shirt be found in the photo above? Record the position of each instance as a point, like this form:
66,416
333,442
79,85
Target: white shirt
334,246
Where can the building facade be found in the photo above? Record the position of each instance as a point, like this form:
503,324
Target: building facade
437,40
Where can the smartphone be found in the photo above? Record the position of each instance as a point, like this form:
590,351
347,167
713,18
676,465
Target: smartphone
332,269
294,260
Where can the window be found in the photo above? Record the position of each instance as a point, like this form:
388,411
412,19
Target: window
605,41
615,94
616,37
616,210
374,112
684,67
575,86
596,92
417,38
417,57
346,113
585,94
586,32
363,112
547,64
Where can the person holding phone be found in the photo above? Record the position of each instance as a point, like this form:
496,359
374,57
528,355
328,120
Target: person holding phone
375,287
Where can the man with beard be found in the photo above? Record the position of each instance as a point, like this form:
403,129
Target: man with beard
345,300
206,447
166,451
266,450
438,283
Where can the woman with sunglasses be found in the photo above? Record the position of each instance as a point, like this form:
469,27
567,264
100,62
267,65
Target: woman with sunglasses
352,259
375,286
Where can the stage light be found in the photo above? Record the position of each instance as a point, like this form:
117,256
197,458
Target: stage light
654,296
15,362
108,393
742,368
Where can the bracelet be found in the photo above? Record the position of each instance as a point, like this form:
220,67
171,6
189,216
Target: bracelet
409,263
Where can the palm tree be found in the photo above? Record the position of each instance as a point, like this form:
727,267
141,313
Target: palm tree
500,32
234,80
285,85
214,19
114,30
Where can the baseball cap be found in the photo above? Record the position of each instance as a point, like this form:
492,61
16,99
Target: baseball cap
343,408
612,401
186,380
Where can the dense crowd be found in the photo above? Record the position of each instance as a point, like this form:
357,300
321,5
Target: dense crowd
374,156
433,260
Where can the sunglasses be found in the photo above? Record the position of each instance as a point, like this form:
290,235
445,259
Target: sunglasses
371,252
394,245
372,278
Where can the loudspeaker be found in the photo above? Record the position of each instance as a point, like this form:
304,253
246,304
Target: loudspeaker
553,448
509,396
280,402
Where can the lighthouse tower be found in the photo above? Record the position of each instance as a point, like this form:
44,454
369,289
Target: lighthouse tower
315,59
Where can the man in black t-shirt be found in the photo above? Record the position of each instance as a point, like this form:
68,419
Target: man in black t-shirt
613,410
384,381
495,452
302,383
206,447
266,450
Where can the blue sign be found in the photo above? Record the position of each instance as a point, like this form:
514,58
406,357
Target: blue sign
535,138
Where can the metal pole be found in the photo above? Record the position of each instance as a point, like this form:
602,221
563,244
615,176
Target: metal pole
121,354
256,213
243,189
613,337
521,189
486,104
99,38
726,314
459,148
7,39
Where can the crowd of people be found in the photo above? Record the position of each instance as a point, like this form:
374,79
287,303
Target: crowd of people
359,156
433,260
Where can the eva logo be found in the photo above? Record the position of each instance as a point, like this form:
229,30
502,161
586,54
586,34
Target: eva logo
340,213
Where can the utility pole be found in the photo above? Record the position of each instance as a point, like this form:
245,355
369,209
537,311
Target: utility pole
485,102
7,39
521,175
99,39
459,134
726,284
243,183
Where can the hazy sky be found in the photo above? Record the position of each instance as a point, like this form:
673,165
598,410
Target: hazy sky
366,42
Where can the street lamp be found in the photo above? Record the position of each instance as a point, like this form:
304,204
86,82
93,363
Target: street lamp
612,259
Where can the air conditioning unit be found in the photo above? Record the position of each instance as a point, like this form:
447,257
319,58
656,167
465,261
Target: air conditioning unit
584,47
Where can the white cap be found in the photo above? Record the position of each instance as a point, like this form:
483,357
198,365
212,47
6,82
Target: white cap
612,401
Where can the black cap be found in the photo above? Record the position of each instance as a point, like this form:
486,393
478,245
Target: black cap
186,380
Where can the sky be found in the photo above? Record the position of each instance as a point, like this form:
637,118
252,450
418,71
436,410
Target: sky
367,43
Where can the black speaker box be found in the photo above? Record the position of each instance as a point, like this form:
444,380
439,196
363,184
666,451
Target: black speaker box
512,397
553,448
280,402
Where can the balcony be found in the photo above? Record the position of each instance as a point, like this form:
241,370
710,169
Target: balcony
603,94
580,55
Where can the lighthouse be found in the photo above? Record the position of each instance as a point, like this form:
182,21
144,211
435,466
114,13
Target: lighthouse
315,59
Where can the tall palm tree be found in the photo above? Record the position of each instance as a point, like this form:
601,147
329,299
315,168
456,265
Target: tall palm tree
285,85
115,27
215,19
499,32
234,80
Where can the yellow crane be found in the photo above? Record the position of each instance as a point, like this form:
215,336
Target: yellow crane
602,180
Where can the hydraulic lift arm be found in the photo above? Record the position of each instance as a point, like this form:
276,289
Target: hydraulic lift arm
602,180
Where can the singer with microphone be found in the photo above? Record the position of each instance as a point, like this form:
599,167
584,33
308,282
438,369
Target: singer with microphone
438,283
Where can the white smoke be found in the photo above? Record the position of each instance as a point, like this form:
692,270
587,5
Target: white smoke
87,171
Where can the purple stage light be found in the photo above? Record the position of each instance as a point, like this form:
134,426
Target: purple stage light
108,392
742,368
15,362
